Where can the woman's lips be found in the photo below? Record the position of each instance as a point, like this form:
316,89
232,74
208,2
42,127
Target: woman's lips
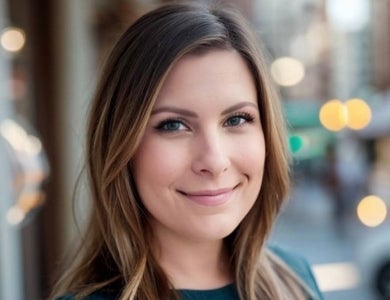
209,197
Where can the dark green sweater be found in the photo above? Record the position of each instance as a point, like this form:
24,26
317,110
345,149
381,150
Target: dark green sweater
298,264
228,292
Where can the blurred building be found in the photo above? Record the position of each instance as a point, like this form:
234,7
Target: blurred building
381,44
297,29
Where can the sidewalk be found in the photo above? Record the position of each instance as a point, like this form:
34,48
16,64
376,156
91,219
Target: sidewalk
306,226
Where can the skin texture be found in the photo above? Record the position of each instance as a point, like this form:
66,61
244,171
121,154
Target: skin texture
199,166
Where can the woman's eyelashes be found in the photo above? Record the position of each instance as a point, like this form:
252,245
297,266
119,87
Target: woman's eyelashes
239,119
172,124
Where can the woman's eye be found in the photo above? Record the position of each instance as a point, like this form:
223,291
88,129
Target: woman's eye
171,125
238,120
234,121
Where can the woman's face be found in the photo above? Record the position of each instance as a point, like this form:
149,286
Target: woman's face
199,167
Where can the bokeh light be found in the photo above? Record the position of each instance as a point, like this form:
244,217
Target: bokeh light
296,143
15,215
12,39
372,211
333,115
359,113
287,71
29,169
336,115
348,15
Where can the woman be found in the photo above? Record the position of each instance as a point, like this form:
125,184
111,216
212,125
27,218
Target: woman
188,168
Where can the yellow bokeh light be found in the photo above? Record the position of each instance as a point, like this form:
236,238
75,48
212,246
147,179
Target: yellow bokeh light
372,211
359,113
12,39
287,71
333,115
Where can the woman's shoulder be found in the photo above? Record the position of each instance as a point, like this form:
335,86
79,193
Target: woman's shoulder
294,260
300,266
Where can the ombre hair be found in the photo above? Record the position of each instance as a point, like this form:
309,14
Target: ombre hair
115,251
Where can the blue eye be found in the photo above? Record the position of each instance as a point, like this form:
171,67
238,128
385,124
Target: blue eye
234,121
171,125
238,120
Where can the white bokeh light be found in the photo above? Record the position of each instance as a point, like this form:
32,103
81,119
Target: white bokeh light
348,15
12,39
287,71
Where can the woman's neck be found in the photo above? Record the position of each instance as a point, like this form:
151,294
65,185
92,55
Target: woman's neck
194,264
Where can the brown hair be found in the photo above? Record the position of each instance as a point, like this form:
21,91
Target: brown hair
115,253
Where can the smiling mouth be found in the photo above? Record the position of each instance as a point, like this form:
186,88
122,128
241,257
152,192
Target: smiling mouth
209,197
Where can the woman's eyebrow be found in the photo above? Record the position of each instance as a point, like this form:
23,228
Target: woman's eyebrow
189,113
176,110
238,106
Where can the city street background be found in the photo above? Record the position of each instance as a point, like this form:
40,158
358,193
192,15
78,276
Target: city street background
307,227
330,62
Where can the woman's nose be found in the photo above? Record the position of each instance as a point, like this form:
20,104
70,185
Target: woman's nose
210,155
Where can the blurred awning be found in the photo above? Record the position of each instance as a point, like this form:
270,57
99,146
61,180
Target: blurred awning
302,113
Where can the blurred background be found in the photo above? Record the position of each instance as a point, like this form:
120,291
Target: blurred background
331,62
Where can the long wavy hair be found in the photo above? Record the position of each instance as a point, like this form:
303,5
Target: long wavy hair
115,254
